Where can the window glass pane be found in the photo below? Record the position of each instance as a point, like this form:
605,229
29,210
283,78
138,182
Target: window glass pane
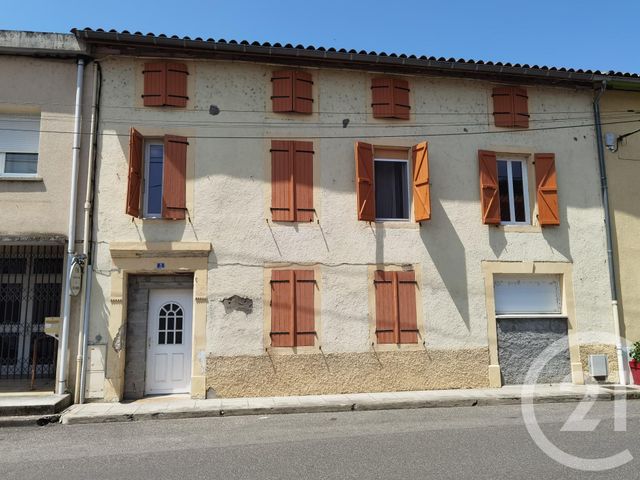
161,338
178,338
170,322
154,199
391,189
162,325
179,323
26,163
518,191
503,189
169,338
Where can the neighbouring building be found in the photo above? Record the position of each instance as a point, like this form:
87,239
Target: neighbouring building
276,220
38,73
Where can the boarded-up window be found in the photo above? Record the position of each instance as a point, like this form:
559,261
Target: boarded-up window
390,98
292,91
291,181
165,84
292,308
547,189
511,107
396,315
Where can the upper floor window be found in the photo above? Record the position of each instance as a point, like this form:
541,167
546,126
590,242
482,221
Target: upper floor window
514,191
165,84
511,107
292,91
392,188
19,145
154,162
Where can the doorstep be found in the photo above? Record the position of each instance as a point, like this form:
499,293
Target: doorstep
176,406
13,404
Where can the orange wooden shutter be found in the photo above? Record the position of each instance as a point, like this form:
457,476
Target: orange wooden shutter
401,104
407,316
520,108
489,194
386,307
136,145
176,90
282,181
282,97
282,308
303,181
547,189
302,93
155,75
174,175
503,106
305,327
421,187
365,192
382,97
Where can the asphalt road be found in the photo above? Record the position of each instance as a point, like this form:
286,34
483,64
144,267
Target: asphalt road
448,443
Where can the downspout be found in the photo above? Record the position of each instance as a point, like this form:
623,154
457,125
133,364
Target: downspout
61,386
86,249
622,367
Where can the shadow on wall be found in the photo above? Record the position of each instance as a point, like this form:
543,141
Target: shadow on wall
448,254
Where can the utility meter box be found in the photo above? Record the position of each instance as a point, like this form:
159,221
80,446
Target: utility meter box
52,326
599,366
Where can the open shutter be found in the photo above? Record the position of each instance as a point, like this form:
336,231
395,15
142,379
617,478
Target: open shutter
365,192
401,104
386,307
282,97
155,75
136,145
282,181
302,92
303,181
382,97
520,108
282,308
304,311
421,187
547,189
489,194
407,316
176,89
174,175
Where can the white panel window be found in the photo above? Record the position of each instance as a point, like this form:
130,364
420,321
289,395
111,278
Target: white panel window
514,194
530,295
19,145
392,189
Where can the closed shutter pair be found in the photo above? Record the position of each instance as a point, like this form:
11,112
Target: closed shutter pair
365,185
292,308
292,92
546,188
511,107
165,84
396,316
390,98
291,181
173,176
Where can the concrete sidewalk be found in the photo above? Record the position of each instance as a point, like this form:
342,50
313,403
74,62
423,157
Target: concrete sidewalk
178,406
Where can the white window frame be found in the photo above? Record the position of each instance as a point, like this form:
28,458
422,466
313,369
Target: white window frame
3,156
525,186
147,161
408,194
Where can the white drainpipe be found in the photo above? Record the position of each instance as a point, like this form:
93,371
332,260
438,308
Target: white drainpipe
61,386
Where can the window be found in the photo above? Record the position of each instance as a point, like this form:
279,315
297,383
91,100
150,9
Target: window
514,194
165,84
292,181
396,315
390,98
292,308
157,177
511,107
292,91
19,145
383,182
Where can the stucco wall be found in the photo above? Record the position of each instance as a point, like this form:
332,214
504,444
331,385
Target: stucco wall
228,195
623,171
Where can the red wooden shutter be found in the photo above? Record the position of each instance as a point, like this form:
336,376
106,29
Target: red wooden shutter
401,104
174,175
303,181
282,308
176,90
302,93
365,192
382,97
520,108
282,97
136,145
547,189
407,315
503,106
155,75
386,307
489,194
304,308
421,187
282,181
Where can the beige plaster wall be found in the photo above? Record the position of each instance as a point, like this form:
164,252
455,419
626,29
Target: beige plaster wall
623,171
229,193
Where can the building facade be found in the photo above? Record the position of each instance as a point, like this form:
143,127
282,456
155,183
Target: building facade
274,220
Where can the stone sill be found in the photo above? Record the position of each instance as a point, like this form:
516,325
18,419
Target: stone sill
21,178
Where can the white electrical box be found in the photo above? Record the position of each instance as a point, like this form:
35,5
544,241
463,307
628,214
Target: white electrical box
599,365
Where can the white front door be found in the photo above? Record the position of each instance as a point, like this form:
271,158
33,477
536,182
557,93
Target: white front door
169,342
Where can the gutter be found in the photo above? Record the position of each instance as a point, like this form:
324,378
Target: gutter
620,354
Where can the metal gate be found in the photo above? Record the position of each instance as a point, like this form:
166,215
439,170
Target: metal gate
30,290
